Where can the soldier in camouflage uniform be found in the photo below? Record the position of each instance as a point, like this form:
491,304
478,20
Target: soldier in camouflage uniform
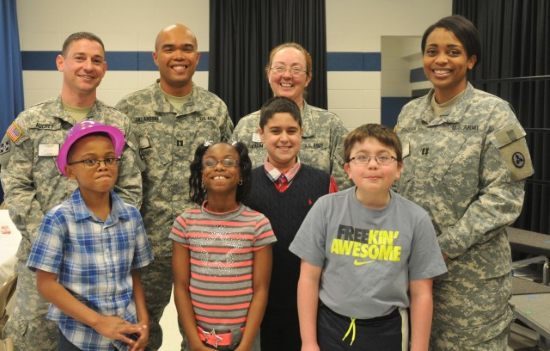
465,161
289,72
171,117
33,184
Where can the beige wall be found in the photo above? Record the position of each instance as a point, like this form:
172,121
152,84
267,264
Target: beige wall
124,25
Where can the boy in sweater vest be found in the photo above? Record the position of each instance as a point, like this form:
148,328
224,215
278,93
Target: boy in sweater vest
283,189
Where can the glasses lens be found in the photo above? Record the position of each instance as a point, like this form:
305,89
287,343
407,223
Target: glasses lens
278,70
111,161
229,162
383,158
209,162
90,163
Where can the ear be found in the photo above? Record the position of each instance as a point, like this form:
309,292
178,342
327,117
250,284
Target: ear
348,170
155,58
308,79
198,57
261,132
60,63
399,169
70,172
472,61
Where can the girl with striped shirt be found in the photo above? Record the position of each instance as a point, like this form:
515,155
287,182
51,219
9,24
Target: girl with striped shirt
221,253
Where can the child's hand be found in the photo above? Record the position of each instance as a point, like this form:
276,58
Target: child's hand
143,339
115,328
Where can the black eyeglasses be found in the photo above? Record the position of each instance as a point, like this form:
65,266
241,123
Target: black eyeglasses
110,162
383,159
227,162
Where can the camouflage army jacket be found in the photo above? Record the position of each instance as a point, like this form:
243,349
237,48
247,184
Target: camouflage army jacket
167,141
322,141
467,169
33,184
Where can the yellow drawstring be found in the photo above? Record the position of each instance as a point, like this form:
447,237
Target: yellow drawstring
351,327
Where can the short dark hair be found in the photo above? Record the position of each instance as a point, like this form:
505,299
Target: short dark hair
279,104
197,193
383,134
464,31
79,36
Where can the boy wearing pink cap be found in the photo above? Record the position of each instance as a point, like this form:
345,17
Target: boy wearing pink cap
89,248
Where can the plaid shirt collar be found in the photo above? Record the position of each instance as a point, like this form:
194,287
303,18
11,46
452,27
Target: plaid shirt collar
273,173
82,212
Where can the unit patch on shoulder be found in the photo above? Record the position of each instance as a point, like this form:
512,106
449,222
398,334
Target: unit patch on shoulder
5,147
14,132
511,143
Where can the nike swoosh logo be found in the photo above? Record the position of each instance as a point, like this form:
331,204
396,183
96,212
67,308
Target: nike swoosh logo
361,263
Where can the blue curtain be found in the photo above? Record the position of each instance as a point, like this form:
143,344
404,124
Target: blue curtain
11,76
11,73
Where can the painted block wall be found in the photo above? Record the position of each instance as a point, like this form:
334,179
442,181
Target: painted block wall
353,27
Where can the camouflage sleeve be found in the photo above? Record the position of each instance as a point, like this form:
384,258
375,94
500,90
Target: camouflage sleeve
501,189
240,132
129,182
338,134
226,128
19,192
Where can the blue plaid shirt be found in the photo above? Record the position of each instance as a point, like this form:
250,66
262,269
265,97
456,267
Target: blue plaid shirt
93,260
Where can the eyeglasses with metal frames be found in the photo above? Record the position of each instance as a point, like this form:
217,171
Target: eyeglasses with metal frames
294,71
226,162
93,162
382,159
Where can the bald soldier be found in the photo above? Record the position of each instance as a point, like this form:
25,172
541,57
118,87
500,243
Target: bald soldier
171,118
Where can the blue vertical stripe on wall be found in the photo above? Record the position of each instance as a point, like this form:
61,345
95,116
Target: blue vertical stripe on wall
417,75
391,107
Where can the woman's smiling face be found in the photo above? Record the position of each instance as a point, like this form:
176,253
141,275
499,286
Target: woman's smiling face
287,84
446,64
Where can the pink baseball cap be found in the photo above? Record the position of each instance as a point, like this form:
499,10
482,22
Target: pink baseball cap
82,129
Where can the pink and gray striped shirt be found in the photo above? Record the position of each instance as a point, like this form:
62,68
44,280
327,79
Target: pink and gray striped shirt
221,248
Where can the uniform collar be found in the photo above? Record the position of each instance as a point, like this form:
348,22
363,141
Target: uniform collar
452,116
307,121
56,110
162,105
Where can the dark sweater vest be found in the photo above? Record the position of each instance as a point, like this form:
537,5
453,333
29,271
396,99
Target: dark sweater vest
286,211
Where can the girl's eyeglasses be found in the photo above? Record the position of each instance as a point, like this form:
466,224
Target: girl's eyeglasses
227,162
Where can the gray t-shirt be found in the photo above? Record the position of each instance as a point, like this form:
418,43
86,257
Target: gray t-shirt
368,256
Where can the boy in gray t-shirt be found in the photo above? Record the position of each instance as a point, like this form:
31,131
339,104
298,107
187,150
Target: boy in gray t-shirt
367,255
